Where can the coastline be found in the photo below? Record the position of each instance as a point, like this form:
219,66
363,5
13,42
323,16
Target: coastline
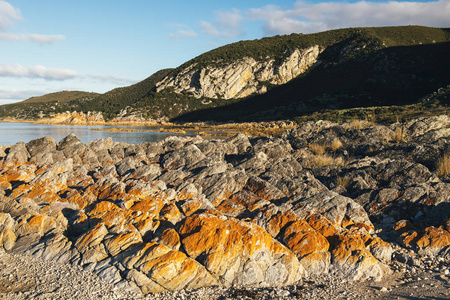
273,128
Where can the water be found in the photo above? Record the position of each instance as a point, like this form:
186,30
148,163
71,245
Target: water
11,133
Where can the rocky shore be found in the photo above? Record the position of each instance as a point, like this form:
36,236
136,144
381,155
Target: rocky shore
323,206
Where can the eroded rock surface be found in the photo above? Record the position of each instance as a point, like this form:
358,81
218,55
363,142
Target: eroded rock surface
240,78
187,213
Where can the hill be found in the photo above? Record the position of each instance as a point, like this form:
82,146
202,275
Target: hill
63,96
282,77
109,103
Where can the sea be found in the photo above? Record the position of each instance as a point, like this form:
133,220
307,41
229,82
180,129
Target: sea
11,133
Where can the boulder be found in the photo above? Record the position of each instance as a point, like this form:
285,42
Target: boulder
238,253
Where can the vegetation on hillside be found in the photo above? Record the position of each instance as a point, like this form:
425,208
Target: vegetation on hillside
63,97
110,103
360,67
277,46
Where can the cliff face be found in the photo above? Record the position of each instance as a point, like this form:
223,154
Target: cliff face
240,78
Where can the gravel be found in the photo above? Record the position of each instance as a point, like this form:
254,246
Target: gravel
25,277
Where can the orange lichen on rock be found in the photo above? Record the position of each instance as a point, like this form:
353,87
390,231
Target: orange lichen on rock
191,206
278,221
22,173
91,238
4,182
121,242
171,213
322,225
403,225
352,258
409,238
433,240
111,192
151,205
174,271
224,243
302,239
170,238
229,207
102,207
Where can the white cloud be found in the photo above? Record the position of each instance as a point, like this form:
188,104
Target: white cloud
8,14
208,28
37,72
42,72
11,95
226,23
307,17
114,79
38,38
183,34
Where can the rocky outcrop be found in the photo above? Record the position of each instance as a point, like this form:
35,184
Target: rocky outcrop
75,118
187,213
240,78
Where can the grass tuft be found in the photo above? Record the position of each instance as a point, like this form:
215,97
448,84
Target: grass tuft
400,135
326,160
443,165
317,149
342,181
336,144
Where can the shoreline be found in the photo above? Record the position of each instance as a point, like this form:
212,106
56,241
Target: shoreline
273,128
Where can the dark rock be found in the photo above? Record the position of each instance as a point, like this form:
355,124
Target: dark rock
127,165
186,156
240,141
71,146
41,146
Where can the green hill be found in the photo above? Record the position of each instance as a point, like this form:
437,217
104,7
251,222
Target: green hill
359,67
63,96
109,103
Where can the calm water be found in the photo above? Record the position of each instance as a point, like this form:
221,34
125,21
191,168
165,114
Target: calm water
11,133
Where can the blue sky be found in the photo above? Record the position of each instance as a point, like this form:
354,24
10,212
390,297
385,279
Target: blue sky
97,45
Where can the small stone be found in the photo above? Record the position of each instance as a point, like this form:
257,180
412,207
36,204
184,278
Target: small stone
284,293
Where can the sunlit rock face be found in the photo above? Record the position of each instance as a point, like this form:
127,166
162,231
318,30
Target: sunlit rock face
240,78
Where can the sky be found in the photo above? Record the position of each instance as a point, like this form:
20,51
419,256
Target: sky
97,45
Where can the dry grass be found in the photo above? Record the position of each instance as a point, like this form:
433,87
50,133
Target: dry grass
400,135
326,160
342,181
360,124
261,131
317,149
443,165
336,144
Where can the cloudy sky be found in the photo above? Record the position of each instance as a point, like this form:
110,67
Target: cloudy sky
97,45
